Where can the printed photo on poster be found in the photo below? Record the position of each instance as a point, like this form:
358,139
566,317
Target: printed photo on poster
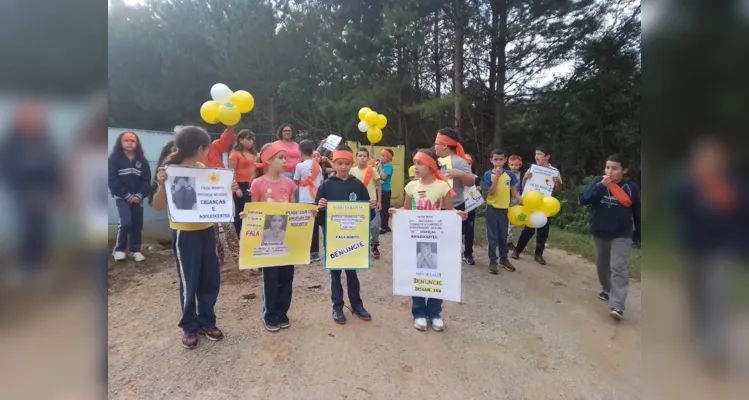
347,237
427,254
473,198
275,234
542,180
198,195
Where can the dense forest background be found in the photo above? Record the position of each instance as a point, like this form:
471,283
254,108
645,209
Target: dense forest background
509,73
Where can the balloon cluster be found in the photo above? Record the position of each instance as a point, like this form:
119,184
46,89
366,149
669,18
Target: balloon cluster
226,107
535,211
372,123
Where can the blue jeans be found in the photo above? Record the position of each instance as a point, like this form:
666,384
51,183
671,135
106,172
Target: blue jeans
426,308
496,232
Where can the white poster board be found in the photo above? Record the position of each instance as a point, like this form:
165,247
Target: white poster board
427,254
332,142
542,180
472,198
196,195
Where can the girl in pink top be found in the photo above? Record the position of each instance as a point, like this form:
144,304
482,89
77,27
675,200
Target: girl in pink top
285,135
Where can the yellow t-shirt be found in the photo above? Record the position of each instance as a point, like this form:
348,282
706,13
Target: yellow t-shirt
427,197
501,197
183,226
359,174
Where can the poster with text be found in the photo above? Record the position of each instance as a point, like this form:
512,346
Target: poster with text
542,180
427,254
347,235
196,195
473,198
276,234
445,164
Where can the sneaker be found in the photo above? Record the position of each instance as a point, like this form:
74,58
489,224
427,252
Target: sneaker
212,333
138,256
438,324
119,255
375,252
616,314
420,324
271,326
360,312
507,265
510,246
540,260
383,231
284,323
314,257
604,296
515,255
469,260
190,340
493,267
339,317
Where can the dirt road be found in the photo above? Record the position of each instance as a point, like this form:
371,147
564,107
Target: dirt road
538,333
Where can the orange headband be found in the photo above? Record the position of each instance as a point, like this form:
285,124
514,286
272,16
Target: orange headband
343,155
426,159
387,155
129,136
269,153
448,141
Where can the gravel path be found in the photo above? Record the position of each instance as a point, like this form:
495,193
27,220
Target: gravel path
538,333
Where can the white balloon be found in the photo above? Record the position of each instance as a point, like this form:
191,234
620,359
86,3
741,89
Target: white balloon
221,93
538,219
363,126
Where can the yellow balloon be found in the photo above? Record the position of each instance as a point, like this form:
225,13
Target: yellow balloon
382,121
374,135
372,118
209,112
513,215
228,114
243,100
533,200
363,113
551,206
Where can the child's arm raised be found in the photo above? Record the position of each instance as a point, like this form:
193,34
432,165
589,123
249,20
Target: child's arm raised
593,193
159,199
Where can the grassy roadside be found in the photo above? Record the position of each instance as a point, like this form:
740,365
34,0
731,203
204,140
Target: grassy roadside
574,243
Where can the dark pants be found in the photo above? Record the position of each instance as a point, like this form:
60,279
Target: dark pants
239,203
200,277
496,232
426,308
384,214
469,230
336,289
131,225
277,290
314,247
542,234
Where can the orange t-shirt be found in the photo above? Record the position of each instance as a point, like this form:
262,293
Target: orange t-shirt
245,166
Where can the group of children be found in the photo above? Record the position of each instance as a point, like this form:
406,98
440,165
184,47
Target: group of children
345,176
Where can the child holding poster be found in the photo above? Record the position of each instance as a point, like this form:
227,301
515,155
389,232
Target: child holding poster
344,187
429,192
272,186
309,176
364,171
194,246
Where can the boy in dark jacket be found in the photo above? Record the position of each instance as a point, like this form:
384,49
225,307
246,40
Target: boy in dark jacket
614,225
129,184
344,187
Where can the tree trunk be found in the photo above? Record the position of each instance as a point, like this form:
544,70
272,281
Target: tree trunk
499,99
458,60
436,56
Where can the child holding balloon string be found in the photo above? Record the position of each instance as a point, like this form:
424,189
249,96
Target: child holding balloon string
502,185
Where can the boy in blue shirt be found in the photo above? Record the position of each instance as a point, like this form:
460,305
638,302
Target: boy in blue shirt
385,171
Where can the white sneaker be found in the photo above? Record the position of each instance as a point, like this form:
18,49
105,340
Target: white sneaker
420,324
119,255
138,257
438,324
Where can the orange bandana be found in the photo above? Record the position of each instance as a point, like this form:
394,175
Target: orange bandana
448,141
427,160
269,153
310,180
343,155
129,136
368,173
387,155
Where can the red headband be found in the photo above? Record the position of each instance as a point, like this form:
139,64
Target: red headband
129,136
448,141
426,159
387,155
269,153
343,155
